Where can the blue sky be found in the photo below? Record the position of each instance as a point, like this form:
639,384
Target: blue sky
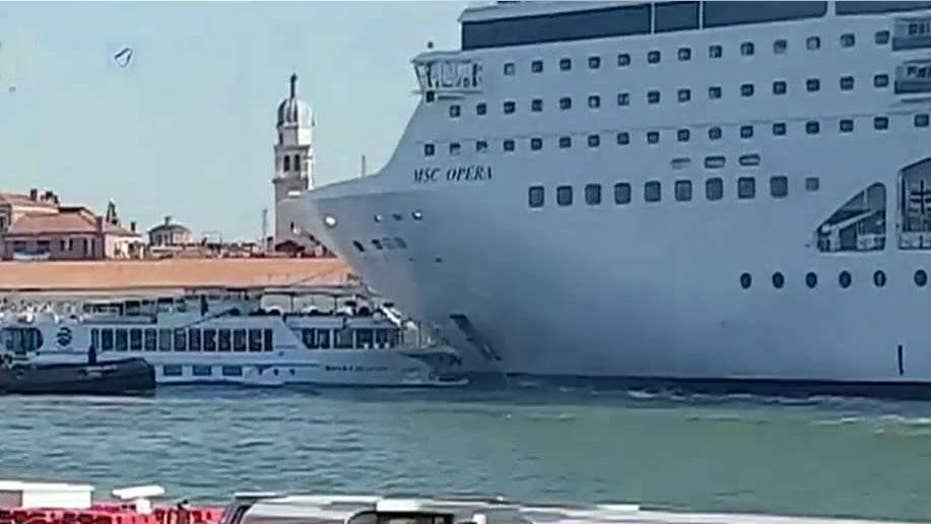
187,128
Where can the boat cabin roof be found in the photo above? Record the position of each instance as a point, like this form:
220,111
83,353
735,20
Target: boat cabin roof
355,509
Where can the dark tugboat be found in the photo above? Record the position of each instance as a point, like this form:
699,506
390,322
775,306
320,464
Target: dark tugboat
113,377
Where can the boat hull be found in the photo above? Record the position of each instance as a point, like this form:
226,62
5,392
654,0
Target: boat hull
123,377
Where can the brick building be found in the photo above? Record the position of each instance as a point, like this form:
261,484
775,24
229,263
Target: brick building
37,227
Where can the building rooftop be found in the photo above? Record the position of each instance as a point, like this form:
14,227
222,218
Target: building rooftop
69,220
168,274
14,199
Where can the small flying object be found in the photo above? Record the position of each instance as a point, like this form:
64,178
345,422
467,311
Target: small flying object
123,57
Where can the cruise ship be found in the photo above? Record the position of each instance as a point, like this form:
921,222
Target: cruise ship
732,193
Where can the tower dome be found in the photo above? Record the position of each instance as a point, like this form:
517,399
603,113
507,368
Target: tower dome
293,111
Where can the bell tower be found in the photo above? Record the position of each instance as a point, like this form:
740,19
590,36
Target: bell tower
294,160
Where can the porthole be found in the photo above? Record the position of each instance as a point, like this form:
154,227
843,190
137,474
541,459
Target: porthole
329,221
811,280
417,215
844,279
746,280
921,278
778,280
879,278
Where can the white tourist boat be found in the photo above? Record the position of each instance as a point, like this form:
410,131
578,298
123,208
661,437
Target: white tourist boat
230,339
730,194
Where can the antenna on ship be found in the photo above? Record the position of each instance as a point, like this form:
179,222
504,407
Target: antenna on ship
363,166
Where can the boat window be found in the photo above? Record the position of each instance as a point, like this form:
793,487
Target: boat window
746,131
106,340
812,183
746,280
231,371
509,69
714,189
557,27
193,336
95,338
881,80
150,340
858,225
171,371
135,339
779,186
594,62
565,142
269,340
847,40
715,51
565,64
308,338
684,54
536,66
675,16
653,97
343,338
684,95
652,191
623,99
22,340
813,43
201,371
381,337
364,338
846,83
180,340
535,196
779,129
239,340
879,278
652,137
780,46
255,340
746,187
811,279
210,340
122,343
778,280
869,8
564,195
844,279
536,144
683,190
623,138
622,193
725,13
224,340
164,340
593,194
323,338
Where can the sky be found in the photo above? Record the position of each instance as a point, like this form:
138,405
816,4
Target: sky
186,129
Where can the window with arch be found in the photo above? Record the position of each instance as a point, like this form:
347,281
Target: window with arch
287,163
858,225
297,162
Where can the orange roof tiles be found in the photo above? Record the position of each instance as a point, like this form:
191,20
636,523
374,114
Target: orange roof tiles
171,274
74,220
16,199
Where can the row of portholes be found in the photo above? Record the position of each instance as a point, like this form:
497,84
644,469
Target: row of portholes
844,279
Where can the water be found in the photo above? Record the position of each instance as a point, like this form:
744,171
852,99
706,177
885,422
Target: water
823,456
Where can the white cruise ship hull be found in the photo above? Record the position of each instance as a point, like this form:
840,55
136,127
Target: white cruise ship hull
656,291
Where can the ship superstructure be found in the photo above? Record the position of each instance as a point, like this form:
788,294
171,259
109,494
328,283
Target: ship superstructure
701,191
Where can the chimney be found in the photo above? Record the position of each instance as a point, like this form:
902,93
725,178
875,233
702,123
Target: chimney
48,196
132,226
99,221
167,220
34,194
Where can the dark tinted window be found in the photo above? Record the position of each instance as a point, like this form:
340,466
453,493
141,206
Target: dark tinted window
683,190
593,194
651,191
746,187
718,14
676,16
622,193
865,8
779,186
595,23
714,189
564,195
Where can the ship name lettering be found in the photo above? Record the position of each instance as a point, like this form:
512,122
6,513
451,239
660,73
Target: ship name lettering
467,173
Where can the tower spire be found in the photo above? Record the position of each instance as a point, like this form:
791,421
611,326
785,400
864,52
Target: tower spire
293,85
